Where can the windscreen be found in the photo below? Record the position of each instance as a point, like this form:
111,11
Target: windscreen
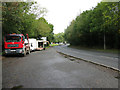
13,38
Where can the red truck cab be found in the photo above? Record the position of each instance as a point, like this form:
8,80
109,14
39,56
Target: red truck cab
16,44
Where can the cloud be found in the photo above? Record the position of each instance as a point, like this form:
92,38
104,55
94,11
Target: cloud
62,12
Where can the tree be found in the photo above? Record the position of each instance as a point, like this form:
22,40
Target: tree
93,27
13,14
58,38
25,17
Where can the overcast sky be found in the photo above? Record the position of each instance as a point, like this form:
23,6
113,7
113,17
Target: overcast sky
62,12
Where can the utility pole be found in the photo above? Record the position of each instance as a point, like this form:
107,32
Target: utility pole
104,40
104,37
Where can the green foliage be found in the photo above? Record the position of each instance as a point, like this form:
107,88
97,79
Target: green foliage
25,17
89,28
59,37
13,14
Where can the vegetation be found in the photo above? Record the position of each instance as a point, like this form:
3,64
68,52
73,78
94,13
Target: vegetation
25,17
115,51
58,38
54,45
96,27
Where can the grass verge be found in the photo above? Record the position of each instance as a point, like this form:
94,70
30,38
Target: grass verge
95,49
52,45
47,47
1,53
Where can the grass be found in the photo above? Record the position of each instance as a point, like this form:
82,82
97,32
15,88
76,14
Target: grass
47,47
1,53
95,49
52,45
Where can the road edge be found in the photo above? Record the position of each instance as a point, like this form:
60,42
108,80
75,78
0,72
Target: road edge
116,69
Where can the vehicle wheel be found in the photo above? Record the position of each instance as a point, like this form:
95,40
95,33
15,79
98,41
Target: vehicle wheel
44,49
29,51
6,55
24,54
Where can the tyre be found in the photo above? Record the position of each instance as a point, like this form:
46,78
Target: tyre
29,51
24,54
6,55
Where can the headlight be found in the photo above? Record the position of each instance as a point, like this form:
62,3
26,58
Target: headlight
6,51
20,50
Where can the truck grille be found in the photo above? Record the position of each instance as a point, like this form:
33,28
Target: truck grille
13,45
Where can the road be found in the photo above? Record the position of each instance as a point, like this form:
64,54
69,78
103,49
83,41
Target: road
49,69
107,59
0,72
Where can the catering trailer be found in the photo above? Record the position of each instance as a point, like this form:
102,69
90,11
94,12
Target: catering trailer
33,44
40,45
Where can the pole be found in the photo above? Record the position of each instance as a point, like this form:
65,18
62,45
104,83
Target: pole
104,40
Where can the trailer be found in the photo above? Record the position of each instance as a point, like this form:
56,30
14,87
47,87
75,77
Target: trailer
33,44
40,45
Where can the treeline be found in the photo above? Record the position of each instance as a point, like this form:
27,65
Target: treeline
59,38
25,18
97,27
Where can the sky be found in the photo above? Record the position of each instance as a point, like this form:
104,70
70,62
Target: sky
62,12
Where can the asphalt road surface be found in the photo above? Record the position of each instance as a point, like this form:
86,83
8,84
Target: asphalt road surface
107,59
49,69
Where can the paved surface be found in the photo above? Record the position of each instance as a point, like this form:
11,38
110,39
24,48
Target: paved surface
108,59
0,64
48,69
0,72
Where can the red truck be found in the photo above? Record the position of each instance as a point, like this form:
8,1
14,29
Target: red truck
16,44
